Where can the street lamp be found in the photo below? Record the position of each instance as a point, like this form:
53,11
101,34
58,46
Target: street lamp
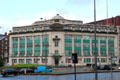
111,56
95,55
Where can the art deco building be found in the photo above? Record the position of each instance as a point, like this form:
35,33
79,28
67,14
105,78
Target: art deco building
53,41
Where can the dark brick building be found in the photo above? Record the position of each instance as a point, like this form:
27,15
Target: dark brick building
4,47
111,21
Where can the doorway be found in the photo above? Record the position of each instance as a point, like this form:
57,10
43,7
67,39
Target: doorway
56,61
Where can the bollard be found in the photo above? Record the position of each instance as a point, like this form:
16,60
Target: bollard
25,71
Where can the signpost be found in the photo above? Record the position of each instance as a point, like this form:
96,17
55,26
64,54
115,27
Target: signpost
74,60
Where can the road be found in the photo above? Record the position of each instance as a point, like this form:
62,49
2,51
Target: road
89,76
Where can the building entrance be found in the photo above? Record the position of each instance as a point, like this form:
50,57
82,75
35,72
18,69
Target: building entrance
56,59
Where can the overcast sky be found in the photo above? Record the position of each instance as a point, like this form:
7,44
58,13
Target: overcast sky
25,12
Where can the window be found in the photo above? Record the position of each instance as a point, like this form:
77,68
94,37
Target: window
87,60
22,53
14,54
22,45
56,43
15,39
103,53
29,45
22,38
29,38
103,60
36,60
29,61
67,27
21,61
37,28
77,37
37,45
68,60
14,60
103,37
56,20
76,28
22,30
44,60
29,53
37,37
86,52
15,45
68,52
44,52
56,51
77,44
68,44
46,27
29,29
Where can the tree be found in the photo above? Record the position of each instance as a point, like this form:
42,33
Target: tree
1,61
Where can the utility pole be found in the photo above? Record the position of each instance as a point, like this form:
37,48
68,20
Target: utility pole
46,52
111,65
95,54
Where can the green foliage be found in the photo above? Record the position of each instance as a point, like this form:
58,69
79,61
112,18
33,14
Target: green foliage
22,65
1,61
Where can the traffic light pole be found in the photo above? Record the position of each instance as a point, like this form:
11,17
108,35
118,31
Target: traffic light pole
75,71
75,60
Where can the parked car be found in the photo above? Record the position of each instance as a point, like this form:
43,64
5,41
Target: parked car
43,69
104,67
9,71
27,70
118,68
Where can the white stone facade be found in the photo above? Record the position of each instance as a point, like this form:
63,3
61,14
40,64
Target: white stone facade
61,59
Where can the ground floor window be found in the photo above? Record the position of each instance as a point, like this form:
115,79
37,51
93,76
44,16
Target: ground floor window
103,60
87,60
29,61
14,60
68,60
21,60
44,60
36,60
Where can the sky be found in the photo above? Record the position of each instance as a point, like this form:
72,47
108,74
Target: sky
25,12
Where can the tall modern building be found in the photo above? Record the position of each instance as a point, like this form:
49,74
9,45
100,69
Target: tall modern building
52,42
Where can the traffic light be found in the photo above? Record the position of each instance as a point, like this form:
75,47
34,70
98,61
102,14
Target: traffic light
74,58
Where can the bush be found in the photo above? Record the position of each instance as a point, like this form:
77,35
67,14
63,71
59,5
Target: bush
21,66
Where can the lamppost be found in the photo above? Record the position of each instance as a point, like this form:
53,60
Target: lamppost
111,57
95,55
46,52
